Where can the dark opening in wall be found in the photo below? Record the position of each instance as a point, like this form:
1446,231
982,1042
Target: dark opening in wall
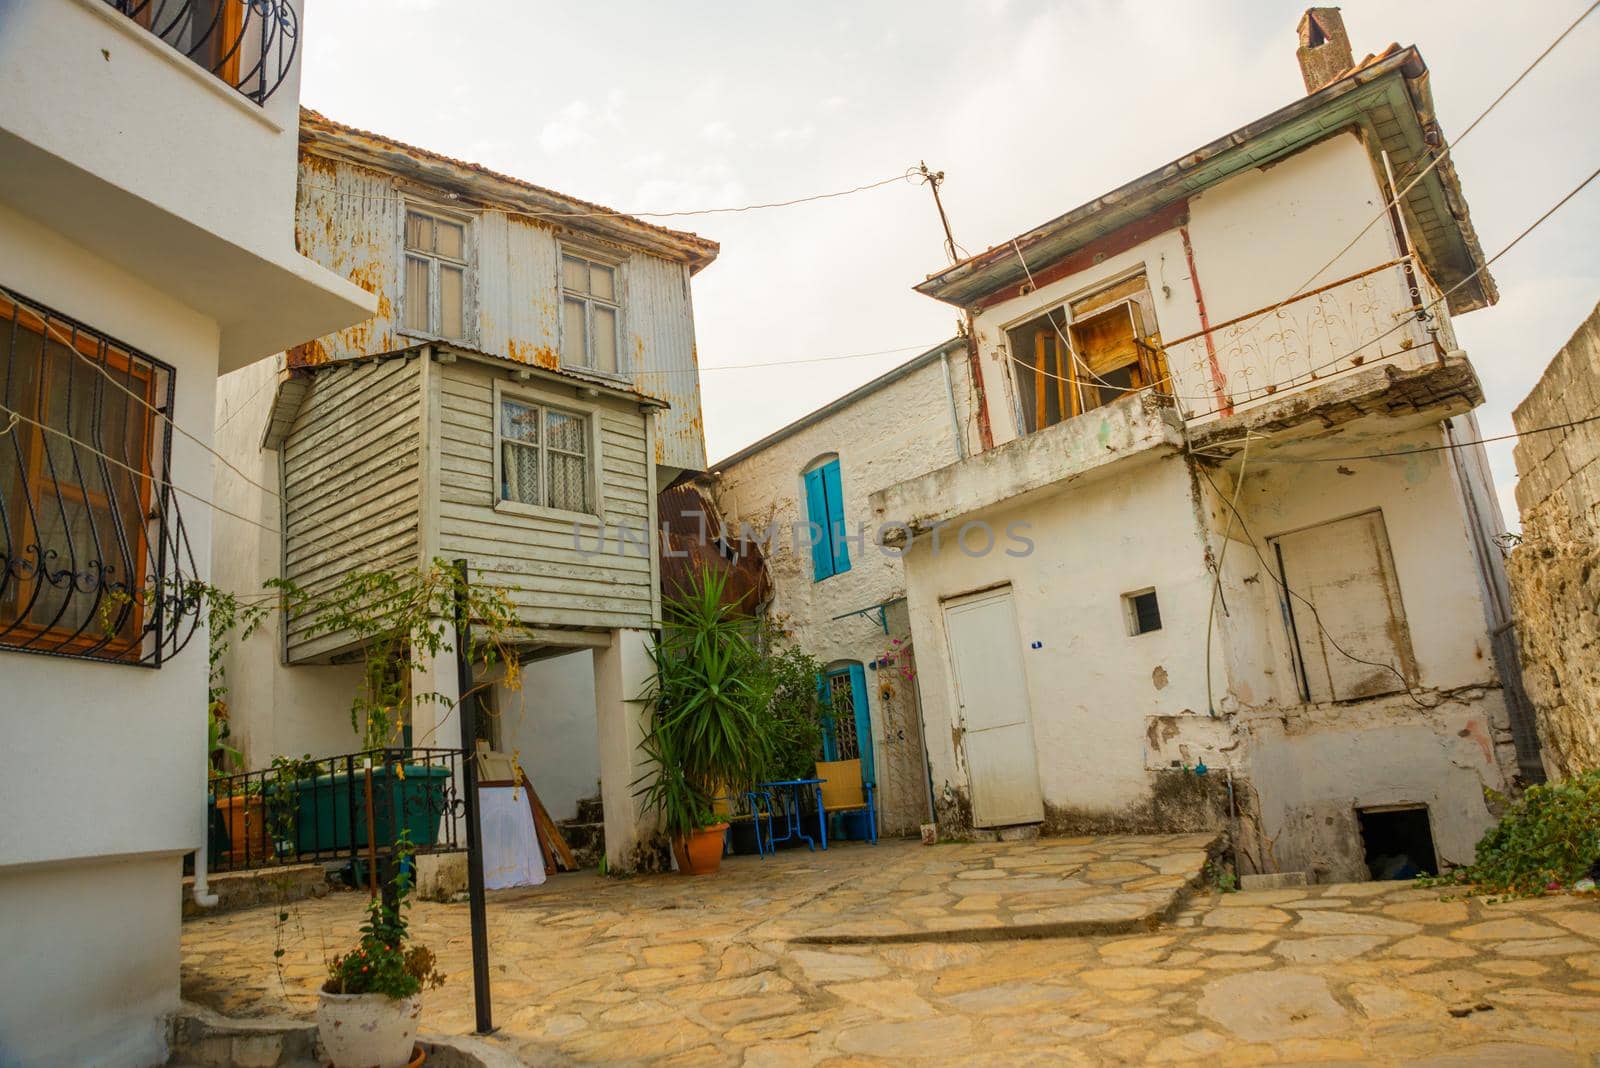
1398,842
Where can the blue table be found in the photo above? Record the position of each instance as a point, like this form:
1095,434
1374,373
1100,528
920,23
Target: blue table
789,790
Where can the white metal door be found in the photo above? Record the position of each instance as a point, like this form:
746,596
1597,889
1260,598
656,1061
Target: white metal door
986,657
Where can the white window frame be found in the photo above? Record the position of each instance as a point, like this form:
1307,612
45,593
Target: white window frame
469,294
618,304
590,413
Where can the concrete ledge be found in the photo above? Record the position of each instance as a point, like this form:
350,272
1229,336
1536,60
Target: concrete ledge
263,886
202,1038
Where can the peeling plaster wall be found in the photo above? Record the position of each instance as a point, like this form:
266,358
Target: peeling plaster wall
1111,714
895,433
1555,572
349,218
1252,237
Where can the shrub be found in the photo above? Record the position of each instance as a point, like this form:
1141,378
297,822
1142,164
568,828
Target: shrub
1548,840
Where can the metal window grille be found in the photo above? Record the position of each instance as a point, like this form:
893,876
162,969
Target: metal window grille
249,44
841,695
94,558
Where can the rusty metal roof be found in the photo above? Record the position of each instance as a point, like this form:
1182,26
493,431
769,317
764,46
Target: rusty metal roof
515,195
566,375
1386,95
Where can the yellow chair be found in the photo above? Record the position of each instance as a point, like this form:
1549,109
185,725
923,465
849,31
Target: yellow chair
844,791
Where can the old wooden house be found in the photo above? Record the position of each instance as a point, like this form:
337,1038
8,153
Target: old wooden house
526,386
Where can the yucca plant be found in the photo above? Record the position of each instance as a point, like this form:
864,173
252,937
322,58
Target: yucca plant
710,734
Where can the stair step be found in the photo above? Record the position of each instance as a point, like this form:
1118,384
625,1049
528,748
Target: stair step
591,810
582,835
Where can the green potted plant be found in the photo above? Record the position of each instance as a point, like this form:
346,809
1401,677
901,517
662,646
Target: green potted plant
367,1010
709,734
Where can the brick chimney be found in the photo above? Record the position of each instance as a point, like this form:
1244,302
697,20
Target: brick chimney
1324,50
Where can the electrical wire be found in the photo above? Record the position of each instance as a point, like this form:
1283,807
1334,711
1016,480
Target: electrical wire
1216,585
909,173
1396,452
1315,615
1439,158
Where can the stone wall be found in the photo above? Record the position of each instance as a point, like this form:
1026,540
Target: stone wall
1555,572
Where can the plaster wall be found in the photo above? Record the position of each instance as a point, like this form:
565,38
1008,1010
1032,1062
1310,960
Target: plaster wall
552,727
273,709
897,432
91,969
1253,239
1090,684
109,758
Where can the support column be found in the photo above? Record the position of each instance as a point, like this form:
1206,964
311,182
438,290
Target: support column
622,670
433,723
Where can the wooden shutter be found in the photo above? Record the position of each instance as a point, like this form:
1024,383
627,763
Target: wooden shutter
836,529
817,513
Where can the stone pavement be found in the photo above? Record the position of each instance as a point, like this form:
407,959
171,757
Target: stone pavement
728,969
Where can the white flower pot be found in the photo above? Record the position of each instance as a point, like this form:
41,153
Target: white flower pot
367,1030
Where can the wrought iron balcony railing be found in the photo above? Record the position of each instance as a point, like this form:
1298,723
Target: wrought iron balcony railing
94,558
348,807
249,44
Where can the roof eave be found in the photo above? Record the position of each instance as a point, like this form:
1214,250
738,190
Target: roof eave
502,192
977,277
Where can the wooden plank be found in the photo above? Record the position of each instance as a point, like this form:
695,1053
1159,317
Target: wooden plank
1040,395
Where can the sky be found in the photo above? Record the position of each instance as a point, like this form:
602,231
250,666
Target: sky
1028,108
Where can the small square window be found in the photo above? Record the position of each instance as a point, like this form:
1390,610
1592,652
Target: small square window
1143,612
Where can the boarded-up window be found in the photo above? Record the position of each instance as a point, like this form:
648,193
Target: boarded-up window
1090,353
1347,625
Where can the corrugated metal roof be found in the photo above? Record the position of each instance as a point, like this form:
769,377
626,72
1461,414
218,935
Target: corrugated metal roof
556,207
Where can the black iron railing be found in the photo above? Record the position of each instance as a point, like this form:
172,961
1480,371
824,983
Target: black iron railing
94,558
249,44
350,807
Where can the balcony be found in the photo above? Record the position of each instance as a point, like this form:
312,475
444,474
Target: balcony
249,45
1378,315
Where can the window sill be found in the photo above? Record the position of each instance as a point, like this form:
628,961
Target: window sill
591,520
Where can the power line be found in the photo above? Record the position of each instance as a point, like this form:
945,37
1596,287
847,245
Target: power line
1438,159
906,175
1404,452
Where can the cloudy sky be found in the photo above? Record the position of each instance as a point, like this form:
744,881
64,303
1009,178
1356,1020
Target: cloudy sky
1029,108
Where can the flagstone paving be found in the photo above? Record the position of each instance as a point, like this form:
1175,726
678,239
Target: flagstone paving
861,956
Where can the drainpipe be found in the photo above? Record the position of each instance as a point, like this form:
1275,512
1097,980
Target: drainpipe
950,395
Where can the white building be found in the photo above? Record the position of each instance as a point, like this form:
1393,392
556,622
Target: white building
838,594
146,245
1177,435
527,384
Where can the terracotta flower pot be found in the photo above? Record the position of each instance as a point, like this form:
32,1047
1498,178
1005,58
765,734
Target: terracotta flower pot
701,852
368,1030
246,818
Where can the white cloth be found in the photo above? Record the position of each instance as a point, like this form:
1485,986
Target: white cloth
510,842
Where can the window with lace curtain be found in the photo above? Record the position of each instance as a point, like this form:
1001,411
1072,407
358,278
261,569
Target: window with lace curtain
546,456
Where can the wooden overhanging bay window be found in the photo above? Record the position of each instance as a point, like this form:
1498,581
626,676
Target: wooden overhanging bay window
1087,353
92,553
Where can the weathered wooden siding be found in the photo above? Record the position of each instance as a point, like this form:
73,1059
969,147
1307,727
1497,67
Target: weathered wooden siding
348,218
351,467
552,582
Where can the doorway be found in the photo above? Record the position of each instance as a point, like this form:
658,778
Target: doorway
1398,841
994,714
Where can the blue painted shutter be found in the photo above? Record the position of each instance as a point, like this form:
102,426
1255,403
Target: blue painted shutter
817,512
836,527
830,746
858,691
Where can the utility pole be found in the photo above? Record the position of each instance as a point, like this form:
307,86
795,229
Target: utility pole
934,180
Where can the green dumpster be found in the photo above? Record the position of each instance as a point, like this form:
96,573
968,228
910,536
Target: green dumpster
328,808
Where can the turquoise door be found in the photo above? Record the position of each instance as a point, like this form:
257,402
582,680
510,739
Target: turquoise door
846,721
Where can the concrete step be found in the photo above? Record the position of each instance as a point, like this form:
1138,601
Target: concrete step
590,810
